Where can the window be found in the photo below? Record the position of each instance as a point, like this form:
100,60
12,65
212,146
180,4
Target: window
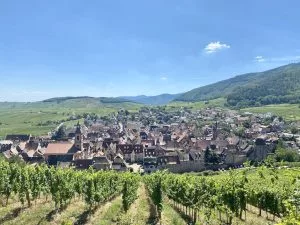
77,138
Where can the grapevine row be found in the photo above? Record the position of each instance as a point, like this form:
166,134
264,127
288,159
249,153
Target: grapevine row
30,183
227,194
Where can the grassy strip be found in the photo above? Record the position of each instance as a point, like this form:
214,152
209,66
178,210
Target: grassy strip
170,216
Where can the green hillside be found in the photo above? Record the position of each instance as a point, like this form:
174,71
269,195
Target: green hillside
290,112
279,85
38,118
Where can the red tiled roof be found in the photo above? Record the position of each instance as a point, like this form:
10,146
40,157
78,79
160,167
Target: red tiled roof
59,148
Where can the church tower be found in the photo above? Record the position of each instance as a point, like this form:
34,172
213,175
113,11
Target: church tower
215,131
78,137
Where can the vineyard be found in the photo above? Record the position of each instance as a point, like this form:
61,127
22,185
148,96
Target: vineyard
45,195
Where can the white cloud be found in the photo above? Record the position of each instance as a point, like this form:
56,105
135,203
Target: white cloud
259,58
164,78
215,46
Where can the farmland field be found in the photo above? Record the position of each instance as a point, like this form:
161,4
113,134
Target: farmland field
30,118
219,102
290,112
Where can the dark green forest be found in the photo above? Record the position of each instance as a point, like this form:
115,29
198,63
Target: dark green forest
279,85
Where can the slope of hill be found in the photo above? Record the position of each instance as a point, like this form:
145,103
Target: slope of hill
152,100
87,99
279,85
38,118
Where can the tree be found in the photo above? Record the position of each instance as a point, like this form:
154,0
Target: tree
286,155
294,130
247,124
60,133
207,155
240,132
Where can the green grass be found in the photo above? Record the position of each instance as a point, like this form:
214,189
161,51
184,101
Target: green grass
290,112
141,212
170,216
33,215
112,215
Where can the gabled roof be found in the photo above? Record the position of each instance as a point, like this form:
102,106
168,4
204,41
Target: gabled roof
202,144
31,146
101,160
60,148
195,155
17,137
5,147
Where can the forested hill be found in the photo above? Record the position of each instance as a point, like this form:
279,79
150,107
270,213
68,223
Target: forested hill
279,85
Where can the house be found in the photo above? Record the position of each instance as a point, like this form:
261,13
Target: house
18,137
127,151
102,163
265,129
5,145
202,144
171,158
195,155
153,151
119,163
132,153
148,142
150,164
30,151
83,163
143,135
10,153
60,151
108,141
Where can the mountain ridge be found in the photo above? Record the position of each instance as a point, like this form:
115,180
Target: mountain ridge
161,99
278,85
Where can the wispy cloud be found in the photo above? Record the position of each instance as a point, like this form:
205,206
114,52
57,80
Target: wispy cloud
259,58
163,78
213,47
277,59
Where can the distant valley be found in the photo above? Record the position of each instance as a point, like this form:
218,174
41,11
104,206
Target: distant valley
162,99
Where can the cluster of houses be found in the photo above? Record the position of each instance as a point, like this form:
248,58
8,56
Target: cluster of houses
151,140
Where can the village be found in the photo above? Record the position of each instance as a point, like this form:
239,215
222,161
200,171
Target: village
154,139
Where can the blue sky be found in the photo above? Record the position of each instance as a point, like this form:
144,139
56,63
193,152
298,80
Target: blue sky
114,48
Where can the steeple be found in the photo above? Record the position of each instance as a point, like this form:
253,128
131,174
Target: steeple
215,131
78,137
78,129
